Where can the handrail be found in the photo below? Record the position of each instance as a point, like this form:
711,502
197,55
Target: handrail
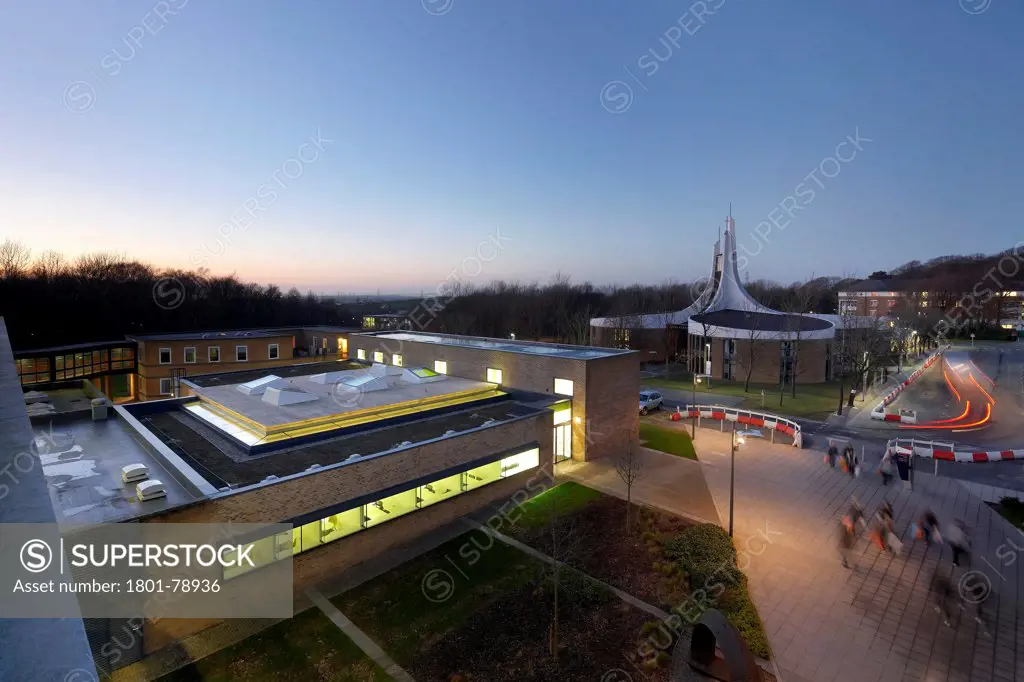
946,451
766,420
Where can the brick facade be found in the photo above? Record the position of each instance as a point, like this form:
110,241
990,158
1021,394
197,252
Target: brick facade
602,387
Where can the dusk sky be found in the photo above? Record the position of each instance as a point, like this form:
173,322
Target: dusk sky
143,128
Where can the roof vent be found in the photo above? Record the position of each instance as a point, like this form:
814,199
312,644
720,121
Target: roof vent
271,477
450,432
489,422
352,457
313,467
150,490
134,473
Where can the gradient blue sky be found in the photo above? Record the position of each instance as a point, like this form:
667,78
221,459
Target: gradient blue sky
447,128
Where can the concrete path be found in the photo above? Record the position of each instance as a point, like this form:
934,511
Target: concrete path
876,621
671,483
359,638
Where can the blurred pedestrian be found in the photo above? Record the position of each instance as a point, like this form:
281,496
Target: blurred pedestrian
833,452
885,468
854,518
850,457
959,541
847,540
927,528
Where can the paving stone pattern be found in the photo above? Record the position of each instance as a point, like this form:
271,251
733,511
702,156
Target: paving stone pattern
875,621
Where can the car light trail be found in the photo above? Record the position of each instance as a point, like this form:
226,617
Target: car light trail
990,398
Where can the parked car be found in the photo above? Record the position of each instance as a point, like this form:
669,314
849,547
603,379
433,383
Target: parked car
650,400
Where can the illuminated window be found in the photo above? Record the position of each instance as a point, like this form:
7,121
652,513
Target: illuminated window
563,416
510,466
389,508
273,351
482,475
165,356
190,355
493,375
311,535
288,543
396,360
378,356
360,353
440,366
563,387
242,353
438,491
339,525
213,354
261,554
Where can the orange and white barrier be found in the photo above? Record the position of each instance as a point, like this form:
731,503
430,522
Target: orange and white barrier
946,451
731,414
908,418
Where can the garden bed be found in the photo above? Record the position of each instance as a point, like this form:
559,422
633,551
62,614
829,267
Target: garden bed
598,544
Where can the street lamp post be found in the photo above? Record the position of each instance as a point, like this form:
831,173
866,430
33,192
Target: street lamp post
693,422
732,473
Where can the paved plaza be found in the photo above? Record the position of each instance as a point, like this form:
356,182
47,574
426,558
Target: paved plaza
874,621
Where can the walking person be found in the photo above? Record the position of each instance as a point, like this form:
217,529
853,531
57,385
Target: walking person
959,541
847,539
927,528
885,468
850,457
833,452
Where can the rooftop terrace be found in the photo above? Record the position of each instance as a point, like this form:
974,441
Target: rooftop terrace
529,347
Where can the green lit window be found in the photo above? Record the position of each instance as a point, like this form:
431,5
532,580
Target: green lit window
488,473
443,489
360,353
310,535
378,356
510,466
389,508
338,526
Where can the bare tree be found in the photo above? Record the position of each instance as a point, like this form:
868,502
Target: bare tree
577,325
49,266
14,259
800,302
753,352
629,466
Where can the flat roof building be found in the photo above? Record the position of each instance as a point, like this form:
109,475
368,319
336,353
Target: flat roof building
359,456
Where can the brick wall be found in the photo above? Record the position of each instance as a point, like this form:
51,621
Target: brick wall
615,376
150,371
303,494
609,407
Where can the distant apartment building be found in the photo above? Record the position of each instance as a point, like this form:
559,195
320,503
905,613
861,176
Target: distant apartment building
384,322
906,298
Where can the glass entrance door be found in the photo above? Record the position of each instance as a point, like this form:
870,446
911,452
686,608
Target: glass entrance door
563,442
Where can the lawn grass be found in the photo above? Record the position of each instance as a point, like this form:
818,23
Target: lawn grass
812,401
673,441
566,498
1011,509
305,647
422,599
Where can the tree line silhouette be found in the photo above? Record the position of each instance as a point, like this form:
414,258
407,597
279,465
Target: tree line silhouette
53,301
